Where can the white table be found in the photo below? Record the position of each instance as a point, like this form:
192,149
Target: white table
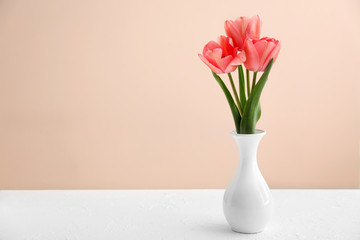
171,214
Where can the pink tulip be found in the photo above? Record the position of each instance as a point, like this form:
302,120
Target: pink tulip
222,57
242,29
260,52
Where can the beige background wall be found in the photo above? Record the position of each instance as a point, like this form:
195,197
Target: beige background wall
111,94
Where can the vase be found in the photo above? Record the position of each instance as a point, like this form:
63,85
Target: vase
248,203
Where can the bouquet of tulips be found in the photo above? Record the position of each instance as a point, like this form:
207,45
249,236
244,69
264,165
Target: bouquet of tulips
242,45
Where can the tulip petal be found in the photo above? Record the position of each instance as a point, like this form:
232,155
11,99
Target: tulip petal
260,46
232,31
209,56
210,46
239,59
265,54
230,68
272,55
252,57
227,46
224,62
212,67
241,24
224,43
216,54
254,27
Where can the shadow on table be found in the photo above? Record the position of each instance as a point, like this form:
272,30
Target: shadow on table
221,230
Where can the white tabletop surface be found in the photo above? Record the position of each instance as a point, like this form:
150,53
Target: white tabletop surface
171,214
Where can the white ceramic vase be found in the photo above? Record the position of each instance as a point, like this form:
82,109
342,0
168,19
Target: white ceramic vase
248,203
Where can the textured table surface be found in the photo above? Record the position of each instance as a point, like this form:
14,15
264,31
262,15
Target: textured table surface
171,214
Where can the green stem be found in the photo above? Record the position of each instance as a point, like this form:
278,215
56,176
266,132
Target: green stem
254,81
252,109
248,82
235,94
242,91
232,105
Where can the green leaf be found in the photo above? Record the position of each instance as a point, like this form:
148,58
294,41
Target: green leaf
258,112
252,109
242,87
234,110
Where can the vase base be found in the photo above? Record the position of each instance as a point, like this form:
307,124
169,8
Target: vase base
247,232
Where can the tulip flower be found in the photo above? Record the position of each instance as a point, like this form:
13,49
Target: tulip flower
222,56
242,29
242,46
260,52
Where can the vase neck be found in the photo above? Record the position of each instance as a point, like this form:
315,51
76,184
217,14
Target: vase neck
248,146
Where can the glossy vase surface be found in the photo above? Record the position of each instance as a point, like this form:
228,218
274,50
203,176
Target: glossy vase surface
248,203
